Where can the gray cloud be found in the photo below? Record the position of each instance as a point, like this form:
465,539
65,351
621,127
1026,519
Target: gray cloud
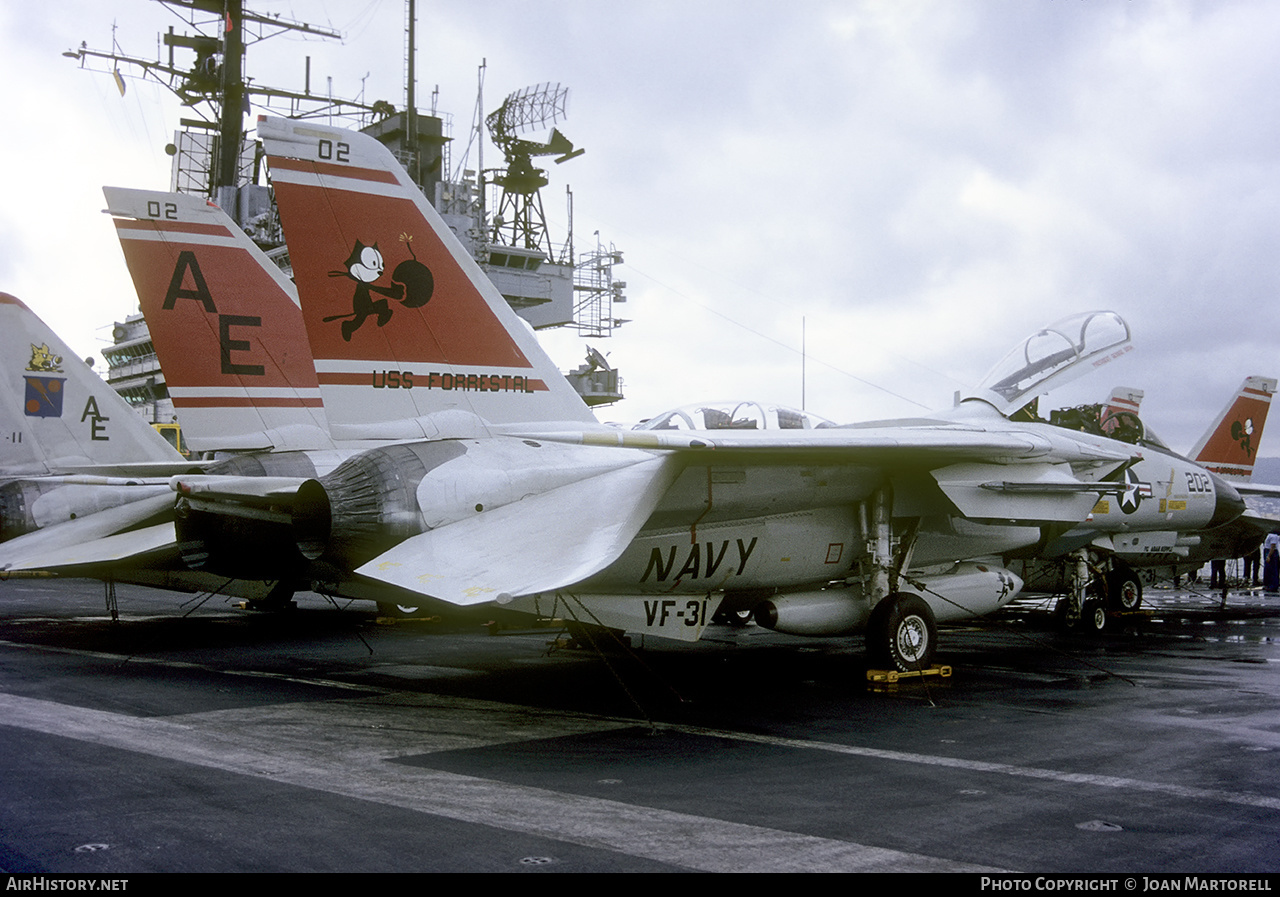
923,182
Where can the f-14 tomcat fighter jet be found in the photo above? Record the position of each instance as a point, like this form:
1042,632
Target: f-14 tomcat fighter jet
493,482
1228,448
503,489
495,485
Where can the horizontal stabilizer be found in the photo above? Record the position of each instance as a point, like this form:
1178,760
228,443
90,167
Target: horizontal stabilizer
140,545
108,535
539,544
1262,490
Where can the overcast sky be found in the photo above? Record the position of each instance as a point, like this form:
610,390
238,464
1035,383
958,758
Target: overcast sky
921,183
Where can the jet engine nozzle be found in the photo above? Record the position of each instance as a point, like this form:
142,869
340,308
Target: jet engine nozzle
236,520
367,504
312,520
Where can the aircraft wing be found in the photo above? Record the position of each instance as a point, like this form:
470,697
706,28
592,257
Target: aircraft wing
538,544
887,445
563,536
1260,489
1257,524
1237,538
566,534
1011,475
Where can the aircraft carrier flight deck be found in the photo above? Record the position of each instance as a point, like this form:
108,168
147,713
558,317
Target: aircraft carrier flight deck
200,737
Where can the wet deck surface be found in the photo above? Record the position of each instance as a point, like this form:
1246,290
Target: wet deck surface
208,738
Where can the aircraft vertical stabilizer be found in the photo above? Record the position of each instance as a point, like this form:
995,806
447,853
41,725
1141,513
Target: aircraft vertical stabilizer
56,414
403,325
225,323
1229,447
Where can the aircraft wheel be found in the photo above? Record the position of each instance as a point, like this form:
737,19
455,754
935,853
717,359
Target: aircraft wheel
1094,616
902,633
739,618
1067,613
401,611
726,617
1125,589
280,598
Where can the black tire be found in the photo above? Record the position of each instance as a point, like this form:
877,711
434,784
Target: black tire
1066,617
736,618
902,633
280,598
1093,616
398,611
1124,589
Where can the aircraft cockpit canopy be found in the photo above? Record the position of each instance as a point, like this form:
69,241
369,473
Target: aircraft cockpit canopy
1053,356
735,416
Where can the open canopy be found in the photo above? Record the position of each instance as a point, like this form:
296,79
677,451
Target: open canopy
1053,356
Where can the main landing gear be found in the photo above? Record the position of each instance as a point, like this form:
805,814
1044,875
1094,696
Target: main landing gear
1124,588
1093,596
902,633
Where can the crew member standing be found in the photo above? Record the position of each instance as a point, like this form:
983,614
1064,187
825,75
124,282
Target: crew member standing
1271,564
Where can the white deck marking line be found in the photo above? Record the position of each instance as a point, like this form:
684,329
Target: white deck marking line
279,743
1027,772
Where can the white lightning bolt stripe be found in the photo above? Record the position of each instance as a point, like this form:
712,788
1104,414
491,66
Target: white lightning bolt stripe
149,235
242,392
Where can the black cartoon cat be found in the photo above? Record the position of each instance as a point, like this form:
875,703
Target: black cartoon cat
412,286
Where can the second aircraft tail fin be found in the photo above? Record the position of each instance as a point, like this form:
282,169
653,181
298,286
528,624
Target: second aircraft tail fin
225,324
1230,446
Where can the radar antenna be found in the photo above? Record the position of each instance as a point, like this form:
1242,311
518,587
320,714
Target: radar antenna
520,220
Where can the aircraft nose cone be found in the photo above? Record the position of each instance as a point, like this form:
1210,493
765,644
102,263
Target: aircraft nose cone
1228,505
